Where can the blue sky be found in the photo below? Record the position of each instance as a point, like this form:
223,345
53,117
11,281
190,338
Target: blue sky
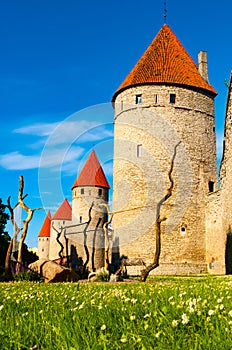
61,62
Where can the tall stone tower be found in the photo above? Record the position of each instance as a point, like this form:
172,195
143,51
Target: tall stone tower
165,103
89,192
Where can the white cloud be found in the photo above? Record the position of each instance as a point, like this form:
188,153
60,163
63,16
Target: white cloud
40,129
18,161
220,137
61,132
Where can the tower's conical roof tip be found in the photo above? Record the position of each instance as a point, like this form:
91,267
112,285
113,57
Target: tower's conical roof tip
92,174
165,61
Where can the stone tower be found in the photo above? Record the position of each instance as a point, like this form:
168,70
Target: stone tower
60,219
44,238
90,190
165,102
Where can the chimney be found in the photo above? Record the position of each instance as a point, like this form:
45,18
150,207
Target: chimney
203,65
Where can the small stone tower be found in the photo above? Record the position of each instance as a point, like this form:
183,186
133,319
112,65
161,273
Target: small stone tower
44,238
60,219
89,191
165,103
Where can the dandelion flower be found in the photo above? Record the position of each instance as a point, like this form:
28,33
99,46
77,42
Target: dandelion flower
211,312
146,326
103,327
175,323
185,319
132,317
123,340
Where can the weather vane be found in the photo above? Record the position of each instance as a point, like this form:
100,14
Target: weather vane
165,11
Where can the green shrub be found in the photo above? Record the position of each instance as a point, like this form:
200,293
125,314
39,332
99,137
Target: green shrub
30,276
103,276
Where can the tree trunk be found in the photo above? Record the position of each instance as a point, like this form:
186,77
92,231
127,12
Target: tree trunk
155,263
30,213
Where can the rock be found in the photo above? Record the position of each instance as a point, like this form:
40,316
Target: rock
115,278
52,272
101,275
92,277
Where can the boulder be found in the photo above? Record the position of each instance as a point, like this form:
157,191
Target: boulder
52,272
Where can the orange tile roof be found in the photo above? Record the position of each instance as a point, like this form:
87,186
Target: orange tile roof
165,61
45,229
64,212
92,174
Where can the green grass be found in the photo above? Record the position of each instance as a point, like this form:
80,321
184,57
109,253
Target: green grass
165,313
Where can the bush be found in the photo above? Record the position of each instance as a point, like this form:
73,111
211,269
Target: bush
30,276
103,276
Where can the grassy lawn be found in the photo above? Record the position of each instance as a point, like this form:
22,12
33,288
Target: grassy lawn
164,313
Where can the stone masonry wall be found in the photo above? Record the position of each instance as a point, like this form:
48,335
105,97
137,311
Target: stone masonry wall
226,181
215,242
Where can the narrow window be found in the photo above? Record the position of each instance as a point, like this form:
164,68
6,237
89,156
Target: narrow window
139,150
121,105
89,192
100,191
80,219
82,191
211,186
182,229
156,98
172,98
42,249
214,129
138,99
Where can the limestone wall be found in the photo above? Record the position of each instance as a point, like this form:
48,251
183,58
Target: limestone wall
215,240
83,198
43,247
226,182
57,226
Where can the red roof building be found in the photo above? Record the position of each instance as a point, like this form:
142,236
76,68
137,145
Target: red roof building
64,212
46,227
92,174
165,62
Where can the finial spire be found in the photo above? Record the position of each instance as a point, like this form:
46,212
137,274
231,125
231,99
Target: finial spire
165,11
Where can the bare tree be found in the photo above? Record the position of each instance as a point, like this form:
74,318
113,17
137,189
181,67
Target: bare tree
155,263
15,235
30,213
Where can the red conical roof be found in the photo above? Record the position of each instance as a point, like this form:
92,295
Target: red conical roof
46,227
165,61
92,174
64,212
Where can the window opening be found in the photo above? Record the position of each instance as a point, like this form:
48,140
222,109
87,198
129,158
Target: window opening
172,98
211,186
139,150
183,229
138,99
82,191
